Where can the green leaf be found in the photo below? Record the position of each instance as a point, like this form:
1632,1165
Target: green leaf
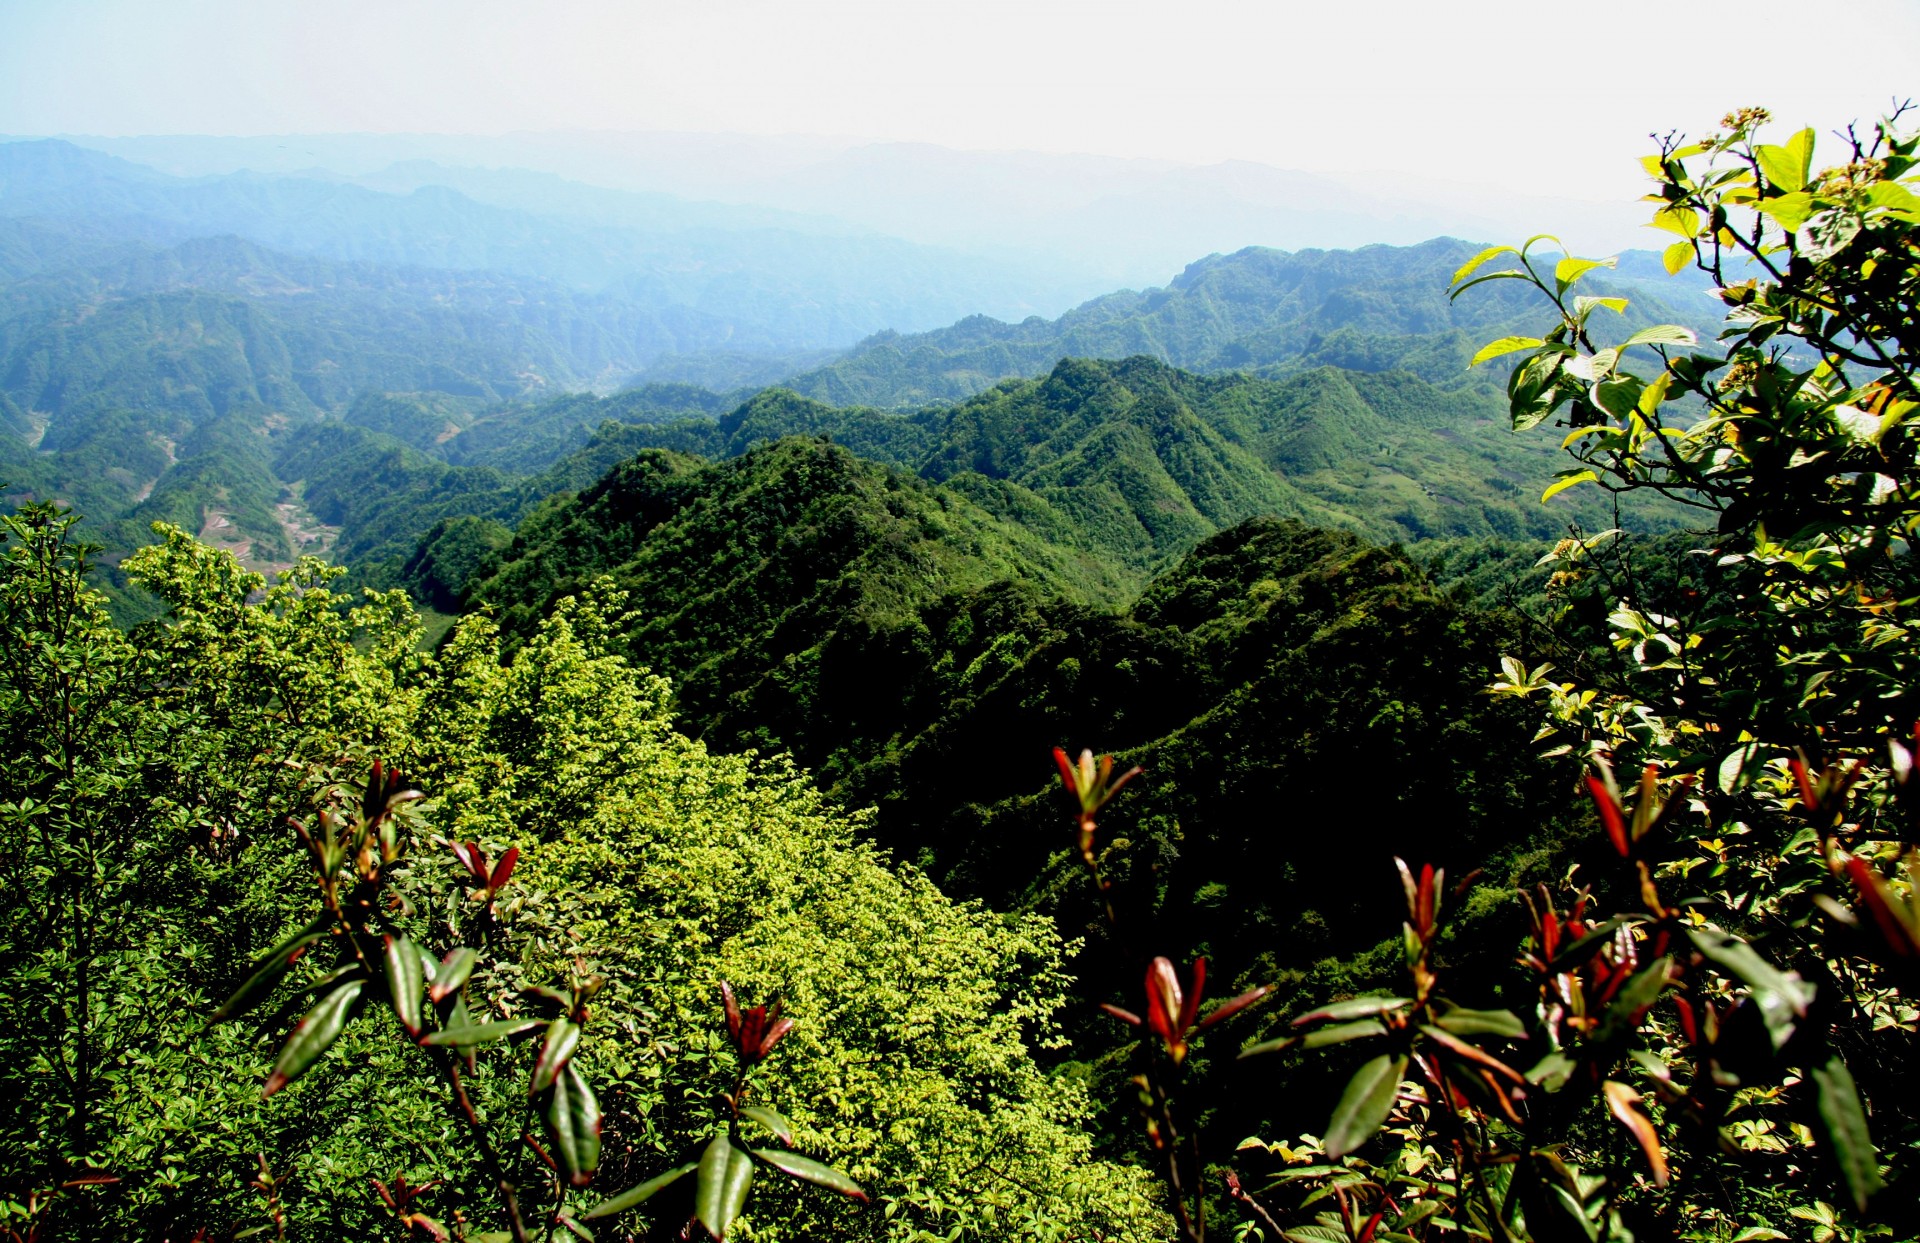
633,1197
1843,1124
1561,485
1630,1003
1662,334
468,1035
453,972
1783,997
1275,1045
1473,265
1491,276
406,981
573,1120
726,1174
1676,256
771,1119
1552,1071
1789,211
1569,270
1353,1008
1340,1033
315,1035
812,1171
1365,1104
1654,393
272,965
1584,305
1682,220
1895,197
563,1037
1787,167
1505,345
1462,1022
1618,395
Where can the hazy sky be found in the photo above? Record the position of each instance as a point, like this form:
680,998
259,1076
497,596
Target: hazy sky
1554,98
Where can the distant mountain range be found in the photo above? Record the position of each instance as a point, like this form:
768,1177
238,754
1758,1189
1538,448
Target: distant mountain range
768,280
1379,308
1130,222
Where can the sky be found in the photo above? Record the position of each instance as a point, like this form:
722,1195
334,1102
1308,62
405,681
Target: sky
1523,97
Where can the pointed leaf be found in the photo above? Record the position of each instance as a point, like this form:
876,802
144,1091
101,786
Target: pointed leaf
726,1174
573,1120
1358,1007
315,1035
1472,1053
1662,334
1621,1102
1504,345
1364,1105
812,1171
770,1119
1561,485
470,1034
1569,270
1843,1123
1463,1022
453,972
271,966
471,858
1234,1005
1340,1033
633,1197
504,869
1473,265
406,981
563,1037
1270,1046
1676,256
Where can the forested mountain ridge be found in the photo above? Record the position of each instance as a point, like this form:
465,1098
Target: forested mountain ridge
1142,460
1377,308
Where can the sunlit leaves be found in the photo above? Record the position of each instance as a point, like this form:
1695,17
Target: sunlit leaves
1503,345
1567,480
1569,270
1787,167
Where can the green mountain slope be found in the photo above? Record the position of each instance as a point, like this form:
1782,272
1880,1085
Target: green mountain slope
1138,461
742,570
1307,703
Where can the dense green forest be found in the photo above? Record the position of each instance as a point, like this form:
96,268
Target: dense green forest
640,822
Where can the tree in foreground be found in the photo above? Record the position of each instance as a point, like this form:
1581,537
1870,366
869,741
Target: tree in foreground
1716,1016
